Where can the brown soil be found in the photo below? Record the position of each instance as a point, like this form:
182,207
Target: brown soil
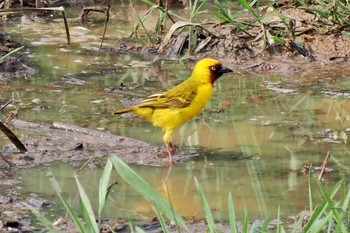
58,141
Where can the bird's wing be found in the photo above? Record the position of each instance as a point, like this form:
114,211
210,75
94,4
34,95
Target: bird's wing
179,97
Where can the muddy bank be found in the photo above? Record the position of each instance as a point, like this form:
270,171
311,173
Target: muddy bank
47,143
62,142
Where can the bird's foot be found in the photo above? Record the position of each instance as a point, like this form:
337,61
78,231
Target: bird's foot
170,152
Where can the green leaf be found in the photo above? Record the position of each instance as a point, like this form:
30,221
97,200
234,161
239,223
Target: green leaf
42,219
245,221
206,208
86,205
278,40
310,190
338,217
248,7
162,222
147,191
71,213
265,224
298,225
102,189
231,214
317,213
196,9
225,14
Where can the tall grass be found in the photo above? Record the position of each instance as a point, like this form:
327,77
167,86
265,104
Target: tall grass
328,215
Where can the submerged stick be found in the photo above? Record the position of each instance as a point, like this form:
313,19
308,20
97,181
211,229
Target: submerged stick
86,163
105,27
13,138
324,165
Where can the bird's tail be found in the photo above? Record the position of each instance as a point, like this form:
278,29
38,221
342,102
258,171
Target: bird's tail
121,111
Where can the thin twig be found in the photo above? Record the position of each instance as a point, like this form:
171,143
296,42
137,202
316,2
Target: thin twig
324,165
88,161
105,28
6,161
2,107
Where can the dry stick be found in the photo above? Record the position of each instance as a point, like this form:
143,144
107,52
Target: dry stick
105,29
6,161
88,161
13,138
324,165
6,104
66,26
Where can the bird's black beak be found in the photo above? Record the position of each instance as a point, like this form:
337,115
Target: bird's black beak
225,70
222,70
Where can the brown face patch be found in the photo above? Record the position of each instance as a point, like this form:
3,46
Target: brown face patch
215,72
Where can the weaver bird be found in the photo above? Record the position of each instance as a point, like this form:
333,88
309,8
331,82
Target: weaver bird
174,107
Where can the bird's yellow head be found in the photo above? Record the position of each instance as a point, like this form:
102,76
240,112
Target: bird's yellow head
208,70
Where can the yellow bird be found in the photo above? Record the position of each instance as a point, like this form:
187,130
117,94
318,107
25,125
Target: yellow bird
174,107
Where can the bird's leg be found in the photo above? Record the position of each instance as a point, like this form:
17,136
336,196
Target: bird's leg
171,151
170,147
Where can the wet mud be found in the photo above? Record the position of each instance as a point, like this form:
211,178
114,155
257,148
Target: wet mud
59,141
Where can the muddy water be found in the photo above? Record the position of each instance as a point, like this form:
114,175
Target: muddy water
252,139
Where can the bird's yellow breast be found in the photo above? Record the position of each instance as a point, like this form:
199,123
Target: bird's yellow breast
170,118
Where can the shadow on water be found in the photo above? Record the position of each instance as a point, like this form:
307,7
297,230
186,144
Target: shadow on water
252,139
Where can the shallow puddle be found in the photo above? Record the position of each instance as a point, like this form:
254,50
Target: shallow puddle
252,139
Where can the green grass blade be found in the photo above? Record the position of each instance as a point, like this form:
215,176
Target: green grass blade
11,52
196,10
311,208
139,230
73,216
317,226
85,216
231,214
316,215
338,217
245,222
71,213
248,7
102,189
90,218
278,230
282,229
162,222
148,192
265,224
206,208
254,228
298,225
223,12
149,2
42,219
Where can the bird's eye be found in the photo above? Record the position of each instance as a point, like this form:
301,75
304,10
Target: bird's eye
213,68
